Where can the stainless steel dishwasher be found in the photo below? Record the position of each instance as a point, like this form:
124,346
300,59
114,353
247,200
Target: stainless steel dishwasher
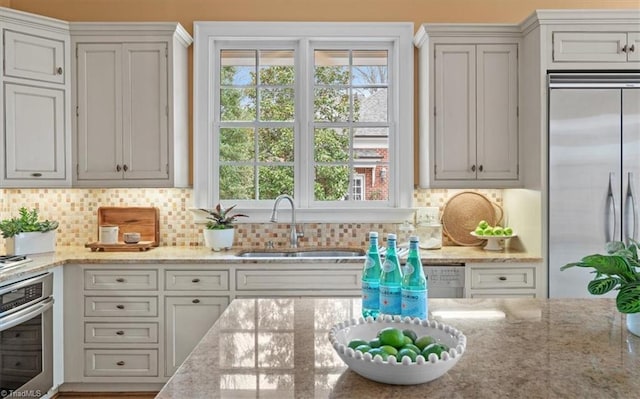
445,281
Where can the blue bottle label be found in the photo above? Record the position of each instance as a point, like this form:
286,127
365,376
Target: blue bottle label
388,265
414,303
370,262
390,300
407,269
370,295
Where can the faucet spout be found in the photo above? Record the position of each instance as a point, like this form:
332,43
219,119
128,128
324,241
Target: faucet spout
294,235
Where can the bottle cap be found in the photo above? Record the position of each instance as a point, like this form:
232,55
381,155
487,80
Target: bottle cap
414,239
373,234
391,236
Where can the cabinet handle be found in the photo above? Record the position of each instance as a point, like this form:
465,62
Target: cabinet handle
36,174
632,48
196,301
624,48
120,363
17,335
18,364
59,70
125,168
120,280
118,168
195,280
120,306
480,168
502,278
120,332
473,168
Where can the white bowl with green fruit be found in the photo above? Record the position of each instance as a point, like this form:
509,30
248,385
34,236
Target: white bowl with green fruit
398,351
493,234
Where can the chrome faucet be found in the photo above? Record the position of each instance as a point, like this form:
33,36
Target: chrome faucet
274,218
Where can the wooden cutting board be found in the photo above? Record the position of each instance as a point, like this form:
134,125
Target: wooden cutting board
143,220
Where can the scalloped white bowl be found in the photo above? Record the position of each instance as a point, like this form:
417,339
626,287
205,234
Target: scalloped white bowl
392,371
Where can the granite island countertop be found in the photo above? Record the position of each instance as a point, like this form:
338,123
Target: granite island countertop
202,255
517,348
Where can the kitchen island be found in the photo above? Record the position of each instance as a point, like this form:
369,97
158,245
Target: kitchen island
517,348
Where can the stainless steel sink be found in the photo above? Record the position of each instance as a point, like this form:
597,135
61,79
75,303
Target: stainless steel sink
303,253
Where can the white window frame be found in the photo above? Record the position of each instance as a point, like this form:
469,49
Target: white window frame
399,35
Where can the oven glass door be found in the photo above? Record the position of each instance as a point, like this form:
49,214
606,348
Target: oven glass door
26,343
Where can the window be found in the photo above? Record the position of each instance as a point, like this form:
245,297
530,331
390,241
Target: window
319,111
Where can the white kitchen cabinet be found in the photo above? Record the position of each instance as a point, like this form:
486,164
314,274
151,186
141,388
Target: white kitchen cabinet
468,107
35,150
599,47
187,319
130,100
495,280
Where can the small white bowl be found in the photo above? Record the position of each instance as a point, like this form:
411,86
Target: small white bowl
131,238
391,371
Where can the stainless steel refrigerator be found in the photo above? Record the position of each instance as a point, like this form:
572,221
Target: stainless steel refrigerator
594,171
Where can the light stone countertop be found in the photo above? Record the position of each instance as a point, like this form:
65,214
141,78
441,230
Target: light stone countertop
529,348
201,255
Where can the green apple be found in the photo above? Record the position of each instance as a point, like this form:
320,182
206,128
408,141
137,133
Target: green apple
498,231
488,231
479,231
483,224
507,231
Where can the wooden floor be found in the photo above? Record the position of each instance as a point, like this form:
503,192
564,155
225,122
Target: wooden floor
103,395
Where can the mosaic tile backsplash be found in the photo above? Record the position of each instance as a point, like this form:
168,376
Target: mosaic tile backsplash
76,211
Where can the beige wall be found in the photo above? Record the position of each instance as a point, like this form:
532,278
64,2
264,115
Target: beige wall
416,11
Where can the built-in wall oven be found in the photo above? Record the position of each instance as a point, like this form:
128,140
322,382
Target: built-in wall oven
26,337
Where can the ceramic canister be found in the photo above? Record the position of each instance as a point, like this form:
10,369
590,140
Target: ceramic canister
108,234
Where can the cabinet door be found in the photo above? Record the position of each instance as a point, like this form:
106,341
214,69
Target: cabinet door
455,112
33,57
497,120
589,46
99,102
145,125
187,319
34,147
633,45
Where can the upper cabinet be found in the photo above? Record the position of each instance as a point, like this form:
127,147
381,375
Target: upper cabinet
468,106
130,101
35,149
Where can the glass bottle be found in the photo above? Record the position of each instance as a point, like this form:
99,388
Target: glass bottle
414,284
390,280
371,279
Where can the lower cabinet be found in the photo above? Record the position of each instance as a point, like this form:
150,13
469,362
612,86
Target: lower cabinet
187,319
496,280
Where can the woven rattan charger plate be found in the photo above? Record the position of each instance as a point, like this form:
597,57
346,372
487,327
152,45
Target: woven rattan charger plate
463,212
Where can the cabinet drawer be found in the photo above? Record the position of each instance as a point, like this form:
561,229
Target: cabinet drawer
120,306
120,279
293,280
503,278
197,280
121,332
589,46
121,362
20,363
34,57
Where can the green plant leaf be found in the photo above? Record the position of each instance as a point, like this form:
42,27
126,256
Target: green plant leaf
606,264
628,299
602,285
614,246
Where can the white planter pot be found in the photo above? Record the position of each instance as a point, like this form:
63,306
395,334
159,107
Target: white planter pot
31,243
633,323
219,239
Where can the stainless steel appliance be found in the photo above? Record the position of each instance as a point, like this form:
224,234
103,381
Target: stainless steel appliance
26,337
594,167
7,261
445,281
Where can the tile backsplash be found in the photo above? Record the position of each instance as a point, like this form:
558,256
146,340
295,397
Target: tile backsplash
76,211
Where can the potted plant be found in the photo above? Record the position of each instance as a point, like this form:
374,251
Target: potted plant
219,231
28,235
619,269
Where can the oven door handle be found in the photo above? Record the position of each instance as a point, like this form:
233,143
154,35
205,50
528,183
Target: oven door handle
25,314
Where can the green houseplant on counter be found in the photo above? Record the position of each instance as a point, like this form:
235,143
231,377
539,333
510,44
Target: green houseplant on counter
619,269
27,234
219,231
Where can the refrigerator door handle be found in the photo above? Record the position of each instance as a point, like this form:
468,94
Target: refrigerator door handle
632,197
610,206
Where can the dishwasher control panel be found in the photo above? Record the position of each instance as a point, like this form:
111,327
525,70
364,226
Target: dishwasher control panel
445,276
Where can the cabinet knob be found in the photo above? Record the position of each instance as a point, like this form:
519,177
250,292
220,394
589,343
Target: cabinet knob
120,306
59,70
195,280
120,363
624,48
18,364
473,168
480,168
36,174
118,168
125,168
120,280
502,278
196,300
632,48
